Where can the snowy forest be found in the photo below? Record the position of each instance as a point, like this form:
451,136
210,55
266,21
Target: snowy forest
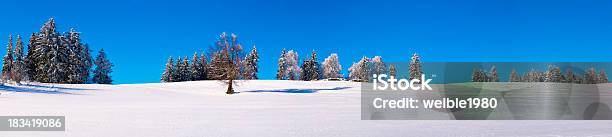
54,58
552,74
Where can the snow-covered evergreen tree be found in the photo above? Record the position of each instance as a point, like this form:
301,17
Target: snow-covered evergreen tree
603,78
195,67
590,76
392,70
179,73
553,74
314,68
282,65
31,58
415,67
309,70
176,73
215,69
7,62
86,61
18,64
79,59
103,69
332,67
250,64
514,77
494,77
293,70
59,59
169,69
185,70
203,67
478,75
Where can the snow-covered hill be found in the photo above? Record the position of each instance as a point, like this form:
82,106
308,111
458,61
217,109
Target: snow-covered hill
262,108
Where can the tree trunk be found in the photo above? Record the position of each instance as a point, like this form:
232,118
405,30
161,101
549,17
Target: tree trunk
230,89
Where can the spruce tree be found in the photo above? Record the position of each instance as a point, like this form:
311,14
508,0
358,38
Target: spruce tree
250,64
76,63
553,74
494,76
305,70
59,61
214,68
86,65
168,71
392,70
7,62
282,65
203,67
314,66
31,58
364,69
103,69
478,75
309,69
195,68
177,75
185,71
590,76
603,78
415,67
49,68
514,77
18,64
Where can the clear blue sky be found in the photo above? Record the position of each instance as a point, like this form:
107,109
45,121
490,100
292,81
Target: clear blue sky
139,35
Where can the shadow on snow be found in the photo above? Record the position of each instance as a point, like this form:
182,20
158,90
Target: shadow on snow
55,87
27,88
293,90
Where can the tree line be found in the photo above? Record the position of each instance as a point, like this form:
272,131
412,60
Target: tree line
227,63
552,74
362,70
54,58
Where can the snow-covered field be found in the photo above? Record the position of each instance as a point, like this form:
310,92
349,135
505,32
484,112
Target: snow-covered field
262,108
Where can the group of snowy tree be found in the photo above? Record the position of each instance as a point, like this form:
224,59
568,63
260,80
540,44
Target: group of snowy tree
227,63
552,74
54,58
183,70
364,69
310,69
479,75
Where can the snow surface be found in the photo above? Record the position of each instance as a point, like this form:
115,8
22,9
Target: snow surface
262,108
